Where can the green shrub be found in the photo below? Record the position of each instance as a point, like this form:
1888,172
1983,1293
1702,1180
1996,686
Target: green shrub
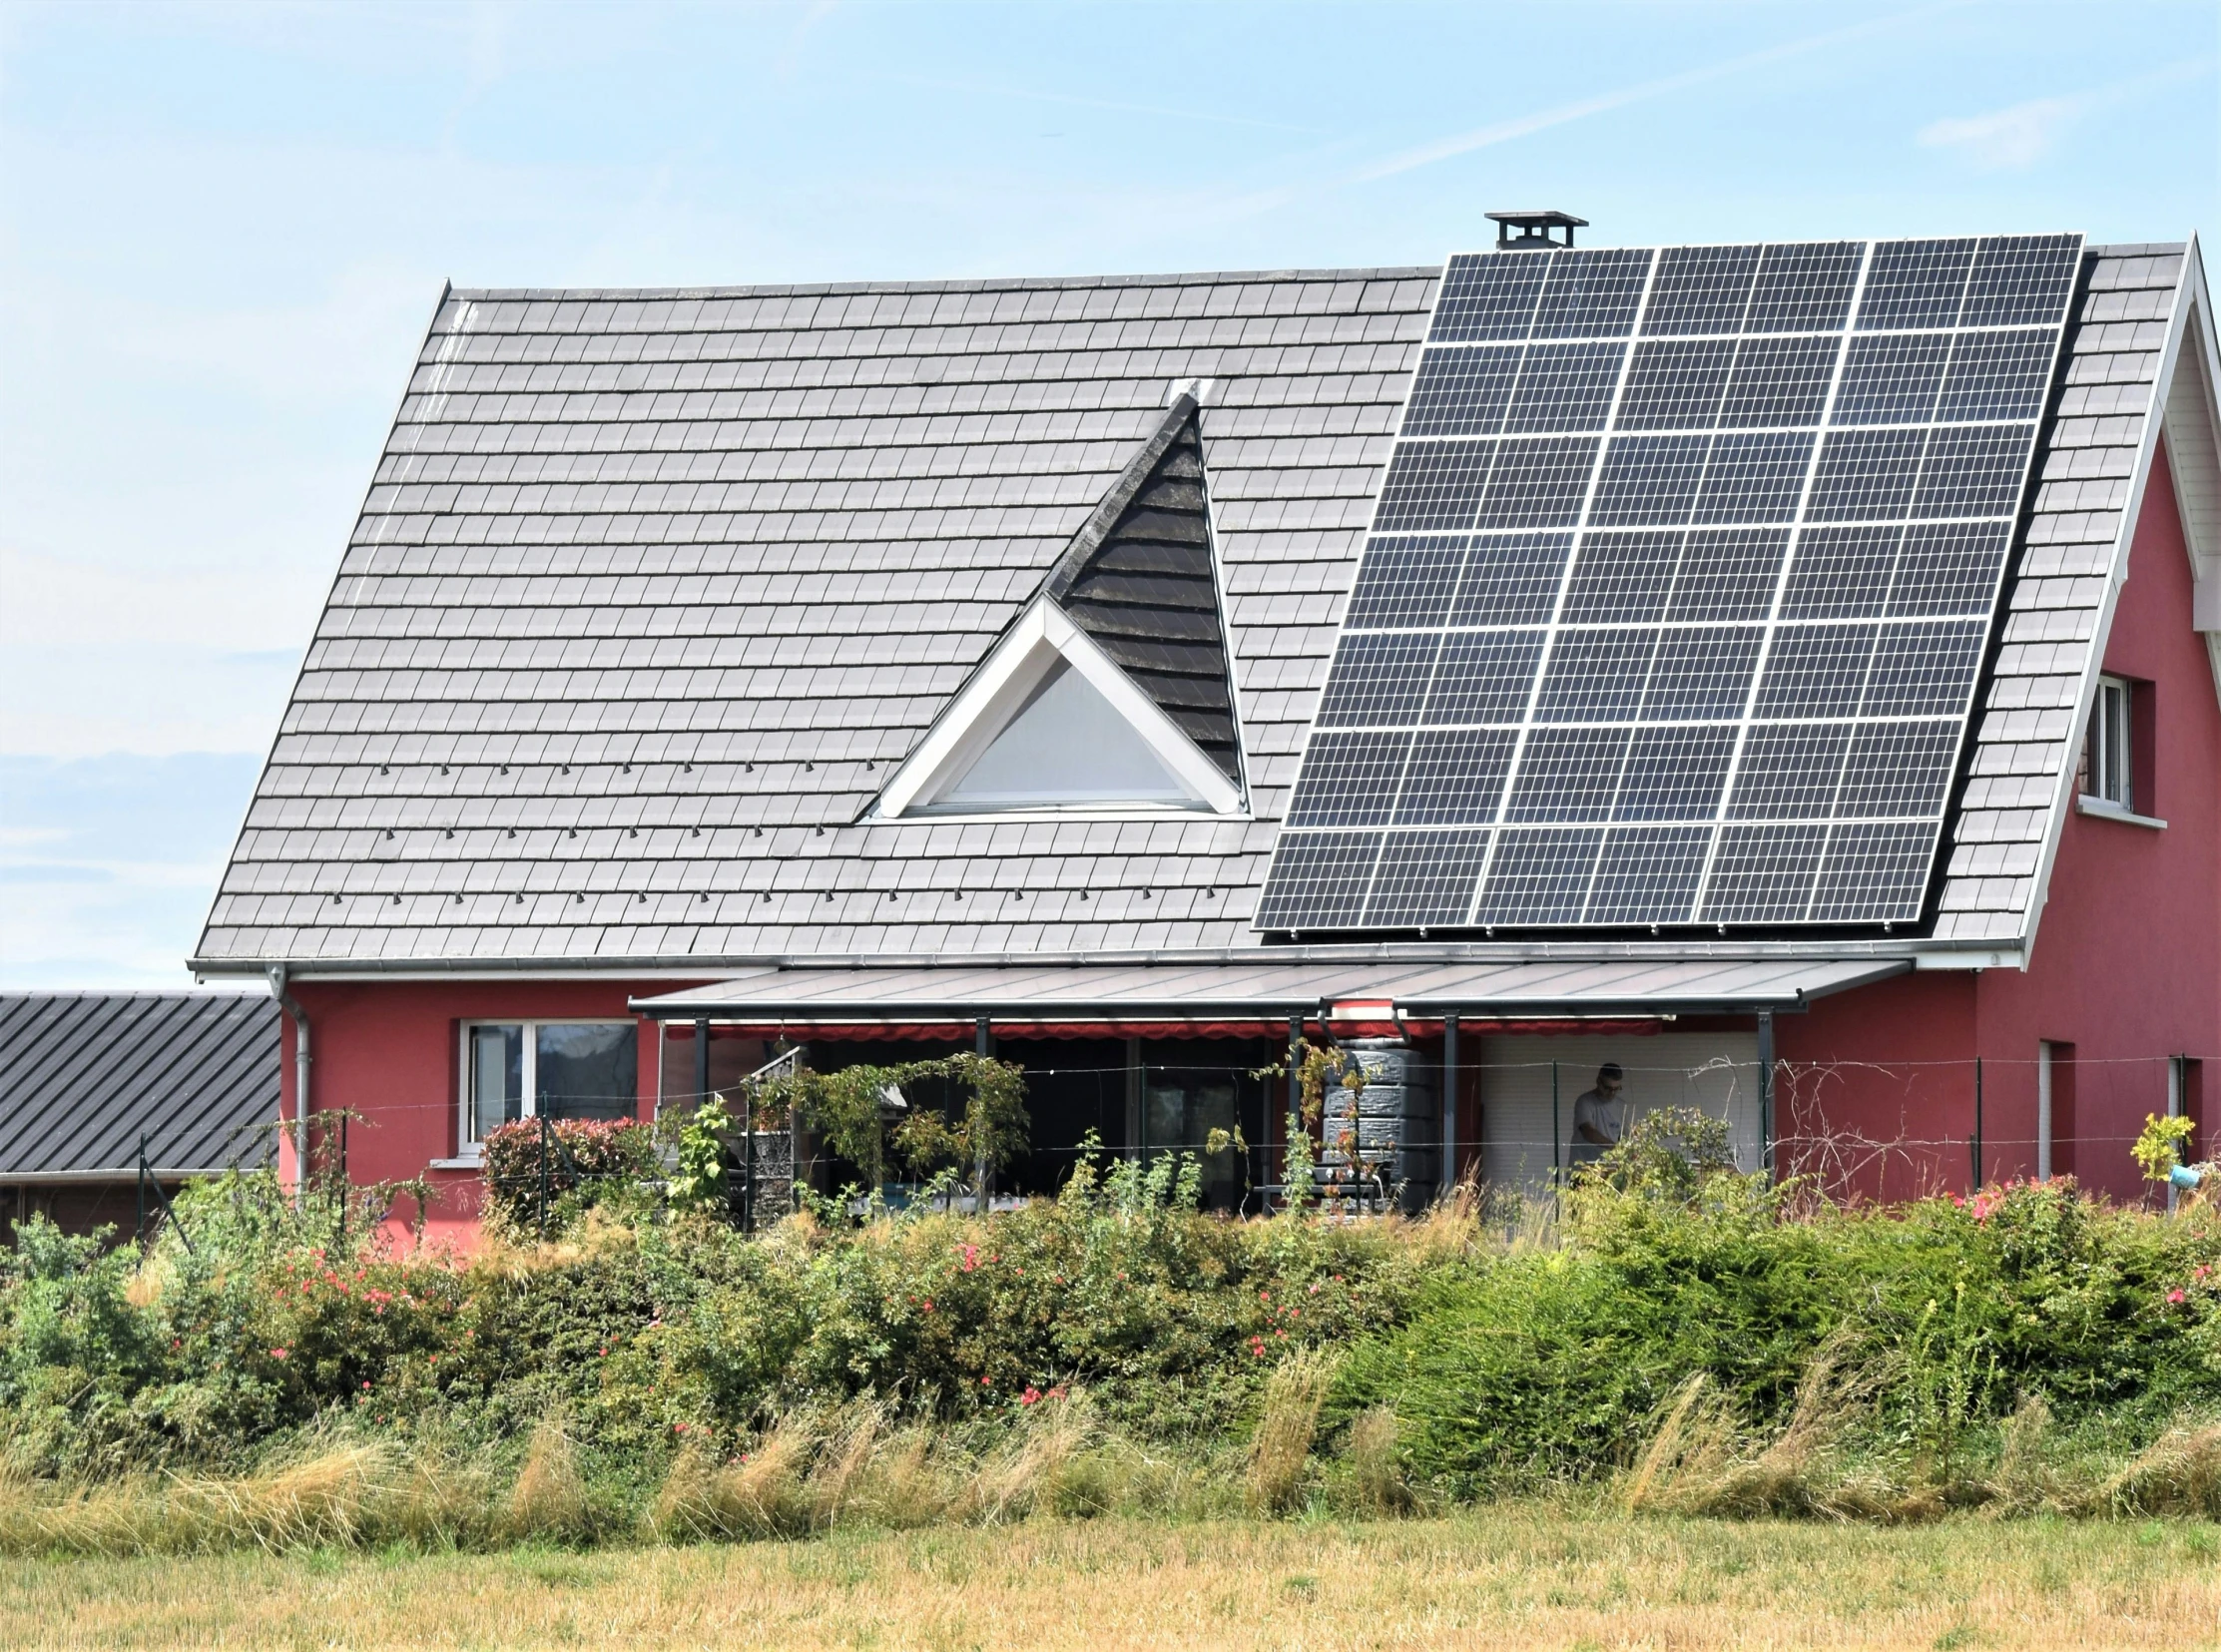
560,1166
1480,1363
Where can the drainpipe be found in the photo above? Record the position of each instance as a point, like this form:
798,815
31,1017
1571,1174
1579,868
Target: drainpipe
288,1003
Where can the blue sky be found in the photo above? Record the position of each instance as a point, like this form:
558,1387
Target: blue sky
226,228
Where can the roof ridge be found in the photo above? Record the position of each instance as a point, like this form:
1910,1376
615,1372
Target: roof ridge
997,284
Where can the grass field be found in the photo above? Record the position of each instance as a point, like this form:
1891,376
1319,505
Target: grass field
1520,1576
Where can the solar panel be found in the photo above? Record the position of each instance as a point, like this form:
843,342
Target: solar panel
1677,588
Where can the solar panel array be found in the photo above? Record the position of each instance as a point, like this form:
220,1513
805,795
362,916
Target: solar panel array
1677,588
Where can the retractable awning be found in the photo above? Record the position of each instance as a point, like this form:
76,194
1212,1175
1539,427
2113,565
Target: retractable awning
806,997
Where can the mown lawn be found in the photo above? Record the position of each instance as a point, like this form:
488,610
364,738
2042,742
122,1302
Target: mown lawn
1520,1575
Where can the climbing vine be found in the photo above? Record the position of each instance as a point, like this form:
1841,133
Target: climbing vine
854,1107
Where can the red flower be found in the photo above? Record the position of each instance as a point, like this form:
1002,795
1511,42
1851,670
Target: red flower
1031,1397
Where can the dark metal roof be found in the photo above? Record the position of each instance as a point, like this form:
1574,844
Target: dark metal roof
1268,988
84,1074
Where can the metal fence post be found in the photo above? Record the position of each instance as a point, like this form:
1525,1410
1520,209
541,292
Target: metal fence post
343,1179
1295,1098
543,1176
1978,1125
1557,1134
2177,1084
139,1232
1765,1091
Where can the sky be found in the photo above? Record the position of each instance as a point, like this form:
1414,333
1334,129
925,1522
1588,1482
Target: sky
224,229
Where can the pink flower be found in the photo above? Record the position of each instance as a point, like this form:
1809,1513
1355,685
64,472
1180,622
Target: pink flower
928,1305
1031,1397
277,1353
986,1384
2176,1296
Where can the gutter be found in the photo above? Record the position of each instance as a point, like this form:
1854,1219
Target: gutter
292,1008
110,1178
1907,951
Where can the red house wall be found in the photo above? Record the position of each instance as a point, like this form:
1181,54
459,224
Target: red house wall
2126,968
389,1051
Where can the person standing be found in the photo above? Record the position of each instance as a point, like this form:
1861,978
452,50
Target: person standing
1600,1115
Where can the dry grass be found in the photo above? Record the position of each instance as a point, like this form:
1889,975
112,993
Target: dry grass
1377,1485
549,1499
1281,1449
1517,1576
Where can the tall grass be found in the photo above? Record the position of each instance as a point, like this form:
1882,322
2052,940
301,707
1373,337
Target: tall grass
1294,1396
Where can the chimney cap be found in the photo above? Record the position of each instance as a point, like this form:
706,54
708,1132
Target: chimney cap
1534,228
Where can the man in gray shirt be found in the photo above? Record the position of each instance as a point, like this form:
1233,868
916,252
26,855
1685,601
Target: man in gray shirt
1599,1116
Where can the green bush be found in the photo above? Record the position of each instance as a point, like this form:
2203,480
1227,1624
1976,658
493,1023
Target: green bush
1501,1364
1555,1364
565,1164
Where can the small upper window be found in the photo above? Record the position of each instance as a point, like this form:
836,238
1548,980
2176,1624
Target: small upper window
2108,762
1067,745
564,1069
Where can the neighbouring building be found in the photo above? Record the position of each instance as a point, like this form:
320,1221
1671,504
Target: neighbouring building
105,1097
1791,671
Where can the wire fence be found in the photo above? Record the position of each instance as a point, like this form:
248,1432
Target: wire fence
1883,1131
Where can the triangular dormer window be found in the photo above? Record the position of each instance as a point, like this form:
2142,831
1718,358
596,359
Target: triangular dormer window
1051,722
1111,690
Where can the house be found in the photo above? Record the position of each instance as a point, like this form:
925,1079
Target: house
1788,671
105,1097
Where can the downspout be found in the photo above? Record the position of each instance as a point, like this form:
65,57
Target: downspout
292,1008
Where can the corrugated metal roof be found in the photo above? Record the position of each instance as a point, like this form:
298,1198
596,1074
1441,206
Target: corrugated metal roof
1269,989
84,1074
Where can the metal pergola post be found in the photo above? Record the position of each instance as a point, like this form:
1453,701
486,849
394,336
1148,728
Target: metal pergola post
1766,1090
983,1045
1447,1178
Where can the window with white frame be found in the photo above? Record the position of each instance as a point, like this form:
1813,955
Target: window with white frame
560,1069
2108,762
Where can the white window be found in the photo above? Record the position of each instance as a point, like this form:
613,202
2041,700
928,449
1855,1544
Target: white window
563,1069
1051,722
2108,763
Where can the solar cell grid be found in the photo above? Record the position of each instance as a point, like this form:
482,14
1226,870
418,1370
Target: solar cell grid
1706,540
1454,778
1676,384
1511,579
1702,290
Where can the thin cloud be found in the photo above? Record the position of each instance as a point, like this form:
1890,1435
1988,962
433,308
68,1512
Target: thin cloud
2020,136
1504,132
1030,95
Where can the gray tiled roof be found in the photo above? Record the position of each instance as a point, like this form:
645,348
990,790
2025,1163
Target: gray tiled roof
84,1074
2029,733
653,590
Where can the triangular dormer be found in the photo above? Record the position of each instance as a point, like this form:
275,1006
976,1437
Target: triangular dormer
1139,579
1111,690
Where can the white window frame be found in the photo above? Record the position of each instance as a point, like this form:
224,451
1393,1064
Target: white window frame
470,1148
2109,746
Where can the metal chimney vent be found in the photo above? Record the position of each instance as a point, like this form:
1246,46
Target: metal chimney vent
1534,229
